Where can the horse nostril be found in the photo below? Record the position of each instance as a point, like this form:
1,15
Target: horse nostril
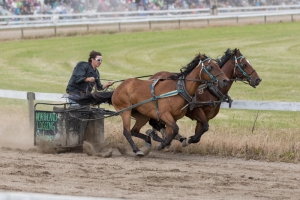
225,82
258,81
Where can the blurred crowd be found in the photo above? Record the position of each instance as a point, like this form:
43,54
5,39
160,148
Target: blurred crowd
29,7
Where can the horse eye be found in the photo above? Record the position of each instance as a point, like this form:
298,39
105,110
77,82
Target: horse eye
209,68
243,65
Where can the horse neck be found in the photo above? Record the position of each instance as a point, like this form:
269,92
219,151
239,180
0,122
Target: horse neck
192,86
228,69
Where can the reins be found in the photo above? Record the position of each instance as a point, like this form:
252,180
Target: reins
126,79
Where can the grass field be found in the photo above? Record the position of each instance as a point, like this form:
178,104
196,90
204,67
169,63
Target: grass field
45,65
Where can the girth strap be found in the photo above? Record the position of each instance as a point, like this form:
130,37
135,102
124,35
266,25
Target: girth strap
181,87
155,97
216,91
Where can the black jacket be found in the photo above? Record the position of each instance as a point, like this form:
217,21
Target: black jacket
77,85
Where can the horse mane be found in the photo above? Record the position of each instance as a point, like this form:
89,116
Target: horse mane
228,54
186,70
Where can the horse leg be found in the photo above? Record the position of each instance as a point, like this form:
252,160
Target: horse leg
156,126
140,121
126,117
171,130
161,127
201,128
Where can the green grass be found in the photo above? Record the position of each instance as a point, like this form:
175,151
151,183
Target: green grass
45,65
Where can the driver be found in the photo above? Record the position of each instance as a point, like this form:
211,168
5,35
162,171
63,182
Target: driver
85,75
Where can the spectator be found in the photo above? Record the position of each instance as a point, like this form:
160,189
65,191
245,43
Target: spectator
13,5
25,11
37,6
81,8
75,6
47,9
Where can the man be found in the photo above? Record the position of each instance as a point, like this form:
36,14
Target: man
85,75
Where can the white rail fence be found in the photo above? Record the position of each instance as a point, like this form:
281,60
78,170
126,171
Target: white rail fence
120,19
236,104
31,97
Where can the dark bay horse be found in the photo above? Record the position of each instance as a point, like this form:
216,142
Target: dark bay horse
237,68
167,104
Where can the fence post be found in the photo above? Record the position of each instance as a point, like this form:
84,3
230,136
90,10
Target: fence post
119,26
55,30
179,23
31,98
265,19
292,17
87,28
22,33
149,25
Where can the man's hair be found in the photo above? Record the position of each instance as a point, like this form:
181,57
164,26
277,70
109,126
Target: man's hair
93,54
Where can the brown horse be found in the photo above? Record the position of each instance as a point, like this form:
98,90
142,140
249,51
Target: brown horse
207,101
162,100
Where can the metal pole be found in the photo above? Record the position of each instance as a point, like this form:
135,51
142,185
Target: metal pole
237,19
55,30
207,21
22,33
119,26
149,25
292,17
31,98
179,23
87,28
265,19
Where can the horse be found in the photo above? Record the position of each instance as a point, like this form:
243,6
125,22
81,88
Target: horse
207,100
164,100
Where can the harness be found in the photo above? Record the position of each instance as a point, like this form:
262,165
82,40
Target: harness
215,91
181,86
154,97
213,88
180,89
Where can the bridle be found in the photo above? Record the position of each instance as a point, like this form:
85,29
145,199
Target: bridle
206,69
240,67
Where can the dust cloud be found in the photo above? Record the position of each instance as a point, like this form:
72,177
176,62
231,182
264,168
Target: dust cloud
15,130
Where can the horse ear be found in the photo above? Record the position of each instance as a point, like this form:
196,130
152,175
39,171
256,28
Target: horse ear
236,51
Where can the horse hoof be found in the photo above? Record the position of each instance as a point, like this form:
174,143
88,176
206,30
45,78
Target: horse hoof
149,132
185,143
139,153
159,147
148,145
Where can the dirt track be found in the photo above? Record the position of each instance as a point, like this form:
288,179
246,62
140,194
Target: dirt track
160,175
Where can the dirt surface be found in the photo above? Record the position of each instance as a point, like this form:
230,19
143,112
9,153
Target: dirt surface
160,175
